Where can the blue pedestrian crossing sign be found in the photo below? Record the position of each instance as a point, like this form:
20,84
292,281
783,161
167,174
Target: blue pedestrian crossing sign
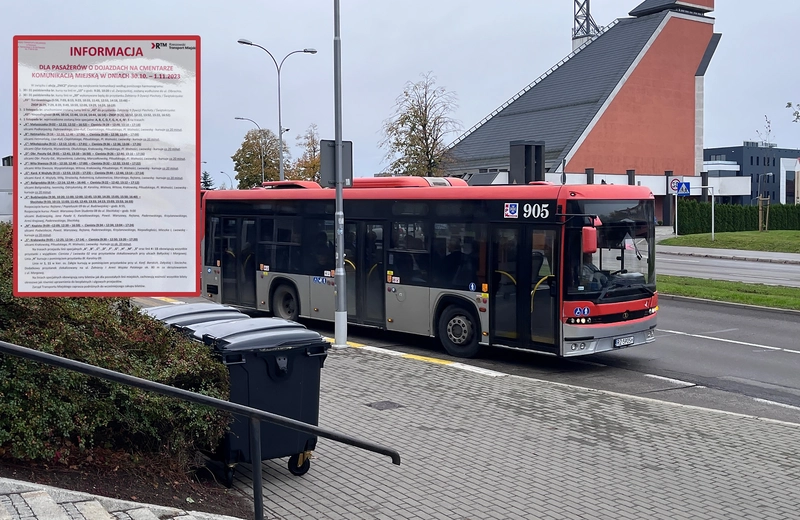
683,189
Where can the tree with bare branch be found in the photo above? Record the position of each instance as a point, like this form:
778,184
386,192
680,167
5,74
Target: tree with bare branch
414,136
795,108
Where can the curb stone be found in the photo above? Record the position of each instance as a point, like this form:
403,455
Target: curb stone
61,496
732,257
776,310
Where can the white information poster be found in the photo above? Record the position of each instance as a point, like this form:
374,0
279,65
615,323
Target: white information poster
106,174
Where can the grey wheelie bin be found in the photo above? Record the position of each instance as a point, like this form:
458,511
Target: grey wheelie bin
224,329
190,313
274,366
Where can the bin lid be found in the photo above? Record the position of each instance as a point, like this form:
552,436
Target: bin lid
257,333
229,328
281,338
196,330
202,317
167,311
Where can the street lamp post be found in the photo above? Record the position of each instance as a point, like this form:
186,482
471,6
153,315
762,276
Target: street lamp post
229,178
278,66
260,142
340,313
761,201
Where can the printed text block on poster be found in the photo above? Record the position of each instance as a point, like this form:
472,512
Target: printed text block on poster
106,174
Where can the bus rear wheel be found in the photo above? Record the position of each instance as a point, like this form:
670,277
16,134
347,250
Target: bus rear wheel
285,304
458,332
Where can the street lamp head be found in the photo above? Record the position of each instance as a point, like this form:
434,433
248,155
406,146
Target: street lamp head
309,51
245,42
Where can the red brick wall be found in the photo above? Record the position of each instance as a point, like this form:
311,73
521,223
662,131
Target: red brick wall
650,125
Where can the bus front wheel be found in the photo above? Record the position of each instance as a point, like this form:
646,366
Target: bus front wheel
285,304
458,332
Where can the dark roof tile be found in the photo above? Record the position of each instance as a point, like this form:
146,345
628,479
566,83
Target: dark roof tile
560,106
654,6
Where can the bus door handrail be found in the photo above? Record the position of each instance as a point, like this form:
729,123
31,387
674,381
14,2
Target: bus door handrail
505,273
535,287
255,415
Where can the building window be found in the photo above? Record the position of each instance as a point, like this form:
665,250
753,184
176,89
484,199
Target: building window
757,159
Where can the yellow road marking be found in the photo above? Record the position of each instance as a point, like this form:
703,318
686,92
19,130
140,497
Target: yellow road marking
349,343
165,299
427,359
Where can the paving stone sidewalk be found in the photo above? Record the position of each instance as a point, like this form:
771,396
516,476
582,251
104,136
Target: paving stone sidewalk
28,501
478,446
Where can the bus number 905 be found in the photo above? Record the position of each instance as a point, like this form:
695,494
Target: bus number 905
535,211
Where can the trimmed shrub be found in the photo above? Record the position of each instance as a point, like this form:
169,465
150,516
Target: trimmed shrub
695,217
48,413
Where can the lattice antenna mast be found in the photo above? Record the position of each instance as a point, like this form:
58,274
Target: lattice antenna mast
584,27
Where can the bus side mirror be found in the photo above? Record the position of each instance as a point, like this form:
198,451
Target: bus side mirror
589,239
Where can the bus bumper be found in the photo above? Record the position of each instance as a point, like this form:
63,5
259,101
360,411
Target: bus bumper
580,340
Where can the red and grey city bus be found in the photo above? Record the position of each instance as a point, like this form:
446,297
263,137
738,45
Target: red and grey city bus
559,269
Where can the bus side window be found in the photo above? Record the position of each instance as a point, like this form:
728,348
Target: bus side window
287,252
409,259
265,252
213,242
458,248
320,251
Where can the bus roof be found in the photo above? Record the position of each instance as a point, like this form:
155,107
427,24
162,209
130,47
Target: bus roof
311,191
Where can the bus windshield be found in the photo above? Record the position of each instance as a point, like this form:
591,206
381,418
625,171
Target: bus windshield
623,265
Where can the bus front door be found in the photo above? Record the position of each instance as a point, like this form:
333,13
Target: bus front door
522,287
238,261
365,271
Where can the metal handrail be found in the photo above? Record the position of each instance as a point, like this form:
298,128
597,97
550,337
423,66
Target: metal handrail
255,415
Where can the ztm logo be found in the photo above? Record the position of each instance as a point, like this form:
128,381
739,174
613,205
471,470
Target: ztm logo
158,45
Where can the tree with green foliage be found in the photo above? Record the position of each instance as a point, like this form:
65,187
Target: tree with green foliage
307,166
206,182
258,145
414,136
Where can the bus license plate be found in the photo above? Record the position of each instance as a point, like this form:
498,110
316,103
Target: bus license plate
623,342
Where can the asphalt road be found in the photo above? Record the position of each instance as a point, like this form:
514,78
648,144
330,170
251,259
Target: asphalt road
787,275
705,354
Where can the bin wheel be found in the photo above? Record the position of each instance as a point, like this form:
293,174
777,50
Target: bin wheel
300,470
458,332
285,303
227,476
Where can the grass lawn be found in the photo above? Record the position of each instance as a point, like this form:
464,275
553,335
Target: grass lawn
778,241
737,292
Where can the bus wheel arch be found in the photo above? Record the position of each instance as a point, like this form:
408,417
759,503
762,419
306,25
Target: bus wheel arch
284,301
458,327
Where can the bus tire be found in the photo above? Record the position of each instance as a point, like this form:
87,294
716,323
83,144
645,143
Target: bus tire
285,303
458,332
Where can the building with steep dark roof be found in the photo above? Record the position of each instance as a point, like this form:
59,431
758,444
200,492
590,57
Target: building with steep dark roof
631,98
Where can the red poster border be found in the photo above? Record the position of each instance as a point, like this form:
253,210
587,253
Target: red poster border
15,108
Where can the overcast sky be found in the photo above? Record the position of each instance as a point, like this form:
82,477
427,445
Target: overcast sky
483,51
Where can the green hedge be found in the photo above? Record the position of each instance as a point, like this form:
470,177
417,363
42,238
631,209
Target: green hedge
695,217
49,414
